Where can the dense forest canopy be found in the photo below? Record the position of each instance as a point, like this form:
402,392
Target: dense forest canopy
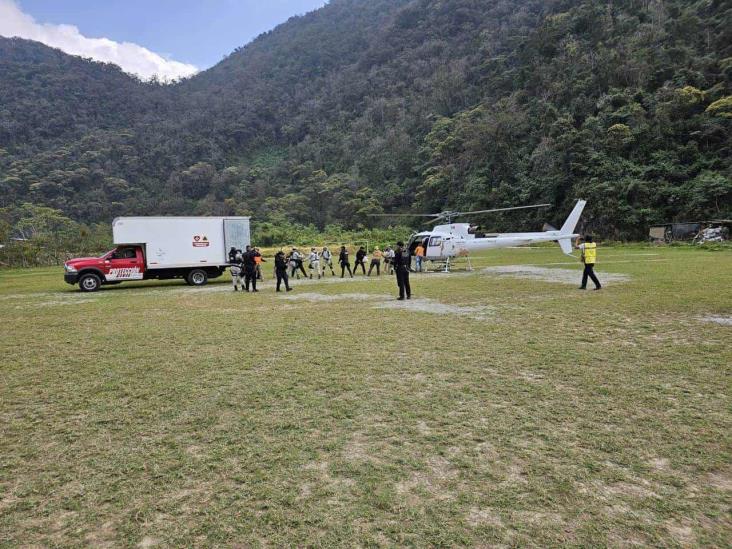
370,106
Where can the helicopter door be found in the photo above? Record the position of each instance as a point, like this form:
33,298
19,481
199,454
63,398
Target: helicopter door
435,247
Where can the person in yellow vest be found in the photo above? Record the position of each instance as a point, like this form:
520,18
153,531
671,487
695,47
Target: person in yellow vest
589,256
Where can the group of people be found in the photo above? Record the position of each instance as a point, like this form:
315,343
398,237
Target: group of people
320,262
246,266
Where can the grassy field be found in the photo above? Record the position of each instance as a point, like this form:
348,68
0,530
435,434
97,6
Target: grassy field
492,411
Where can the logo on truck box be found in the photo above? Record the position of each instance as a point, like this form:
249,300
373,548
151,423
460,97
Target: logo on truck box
200,241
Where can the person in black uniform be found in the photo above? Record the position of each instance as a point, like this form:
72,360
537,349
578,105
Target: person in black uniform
401,263
281,271
360,255
250,269
345,262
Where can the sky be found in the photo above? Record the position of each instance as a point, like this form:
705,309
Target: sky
167,38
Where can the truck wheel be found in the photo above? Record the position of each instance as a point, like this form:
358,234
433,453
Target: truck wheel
197,277
90,282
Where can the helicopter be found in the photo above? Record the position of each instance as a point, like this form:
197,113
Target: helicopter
448,241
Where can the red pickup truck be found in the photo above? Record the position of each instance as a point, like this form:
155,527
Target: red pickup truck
128,263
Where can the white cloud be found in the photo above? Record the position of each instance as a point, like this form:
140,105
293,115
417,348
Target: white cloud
130,57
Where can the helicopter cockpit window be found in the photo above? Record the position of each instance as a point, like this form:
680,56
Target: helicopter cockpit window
435,241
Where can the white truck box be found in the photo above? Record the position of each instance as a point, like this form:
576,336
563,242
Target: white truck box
173,242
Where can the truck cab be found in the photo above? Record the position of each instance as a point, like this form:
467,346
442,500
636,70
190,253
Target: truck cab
117,265
128,262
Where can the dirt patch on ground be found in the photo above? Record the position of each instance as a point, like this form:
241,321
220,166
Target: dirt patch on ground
635,490
724,320
356,448
682,533
325,298
720,481
432,482
381,301
484,517
431,306
55,302
660,464
560,276
104,536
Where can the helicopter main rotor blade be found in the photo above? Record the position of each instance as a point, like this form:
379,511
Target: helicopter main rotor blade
402,215
502,209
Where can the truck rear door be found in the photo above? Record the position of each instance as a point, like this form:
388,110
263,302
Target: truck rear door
236,234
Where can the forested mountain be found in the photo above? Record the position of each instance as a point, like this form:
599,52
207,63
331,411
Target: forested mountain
367,106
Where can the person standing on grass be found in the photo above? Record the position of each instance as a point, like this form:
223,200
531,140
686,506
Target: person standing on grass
250,269
236,271
314,263
296,262
360,255
418,257
401,268
588,257
376,261
388,260
327,260
258,259
344,261
281,271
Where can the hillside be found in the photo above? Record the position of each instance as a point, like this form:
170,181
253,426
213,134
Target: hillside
366,106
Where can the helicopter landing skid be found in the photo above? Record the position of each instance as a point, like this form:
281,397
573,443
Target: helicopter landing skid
446,267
